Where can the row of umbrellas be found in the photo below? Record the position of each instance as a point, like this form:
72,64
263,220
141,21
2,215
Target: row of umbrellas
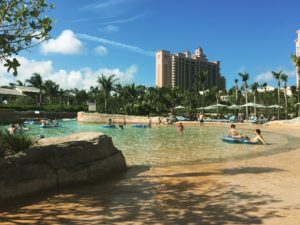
250,104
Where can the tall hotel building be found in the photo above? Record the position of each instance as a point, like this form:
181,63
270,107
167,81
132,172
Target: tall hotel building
180,69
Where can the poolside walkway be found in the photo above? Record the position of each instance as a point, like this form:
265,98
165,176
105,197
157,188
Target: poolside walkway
263,190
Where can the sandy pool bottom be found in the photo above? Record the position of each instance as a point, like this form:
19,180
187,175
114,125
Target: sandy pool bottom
263,190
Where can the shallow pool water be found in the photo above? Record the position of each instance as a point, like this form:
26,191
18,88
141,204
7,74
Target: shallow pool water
164,146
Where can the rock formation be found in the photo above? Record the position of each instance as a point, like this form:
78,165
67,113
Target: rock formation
56,162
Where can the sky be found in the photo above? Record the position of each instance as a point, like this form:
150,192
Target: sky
120,37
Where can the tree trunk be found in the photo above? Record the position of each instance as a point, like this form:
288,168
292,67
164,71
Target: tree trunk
246,96
278,94
236,95
40,97
298,76
254,99
105,103
202,99
285,100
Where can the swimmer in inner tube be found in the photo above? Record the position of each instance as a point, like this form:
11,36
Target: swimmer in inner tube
234,133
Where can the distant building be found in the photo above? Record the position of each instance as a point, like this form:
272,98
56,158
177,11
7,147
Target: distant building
270,88
297,42
7,94
180,69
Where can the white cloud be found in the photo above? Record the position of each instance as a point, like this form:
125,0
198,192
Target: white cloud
126,20
101,50
105,4
66,43
268,76
116,44
109,29
81,79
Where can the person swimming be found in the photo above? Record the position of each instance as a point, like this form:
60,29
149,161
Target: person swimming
12,129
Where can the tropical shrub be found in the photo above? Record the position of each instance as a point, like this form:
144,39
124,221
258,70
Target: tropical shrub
13,143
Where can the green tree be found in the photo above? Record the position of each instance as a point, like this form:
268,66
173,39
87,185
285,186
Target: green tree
93,92
51,90
277,76
254,88
61,92
296,61
236,88
284,78
107,85
36,81
23,24
202,78
245,78
131,94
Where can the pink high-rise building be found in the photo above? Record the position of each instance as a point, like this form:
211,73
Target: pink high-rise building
180,69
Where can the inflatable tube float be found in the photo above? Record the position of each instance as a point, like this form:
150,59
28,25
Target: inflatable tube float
30,122
108,126
49,125
229,139
139,126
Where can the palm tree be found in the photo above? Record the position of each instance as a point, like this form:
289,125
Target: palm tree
131,93
51,89
202,78
36,81
236,88
296,60
93,93
245,78
277,76
284,79
61,92
107,85
254,88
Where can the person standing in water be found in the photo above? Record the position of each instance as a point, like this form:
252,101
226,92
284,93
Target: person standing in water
149,122
201,119
180,127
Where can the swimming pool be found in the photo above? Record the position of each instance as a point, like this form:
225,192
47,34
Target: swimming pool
164,146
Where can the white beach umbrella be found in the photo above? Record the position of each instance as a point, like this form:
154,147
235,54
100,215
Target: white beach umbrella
180,107
218,105
234,106
251,104
274,107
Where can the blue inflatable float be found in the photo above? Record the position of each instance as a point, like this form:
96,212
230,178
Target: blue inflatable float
139,126
108,126
229,139
50,125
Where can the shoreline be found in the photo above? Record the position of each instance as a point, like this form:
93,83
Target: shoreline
261,190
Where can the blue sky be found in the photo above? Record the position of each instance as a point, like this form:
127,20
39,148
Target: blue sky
121,37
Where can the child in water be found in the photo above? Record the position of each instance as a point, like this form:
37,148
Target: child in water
180,127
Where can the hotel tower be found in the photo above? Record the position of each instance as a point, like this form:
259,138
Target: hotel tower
297,41
180,69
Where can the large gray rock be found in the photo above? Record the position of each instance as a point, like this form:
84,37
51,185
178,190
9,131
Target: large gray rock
57,162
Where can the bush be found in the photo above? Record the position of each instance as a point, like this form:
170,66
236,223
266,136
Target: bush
13,143
52,108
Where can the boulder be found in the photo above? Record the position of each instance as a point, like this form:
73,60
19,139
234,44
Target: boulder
56,162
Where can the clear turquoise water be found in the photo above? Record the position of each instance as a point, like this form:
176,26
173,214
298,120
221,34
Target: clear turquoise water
164,146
